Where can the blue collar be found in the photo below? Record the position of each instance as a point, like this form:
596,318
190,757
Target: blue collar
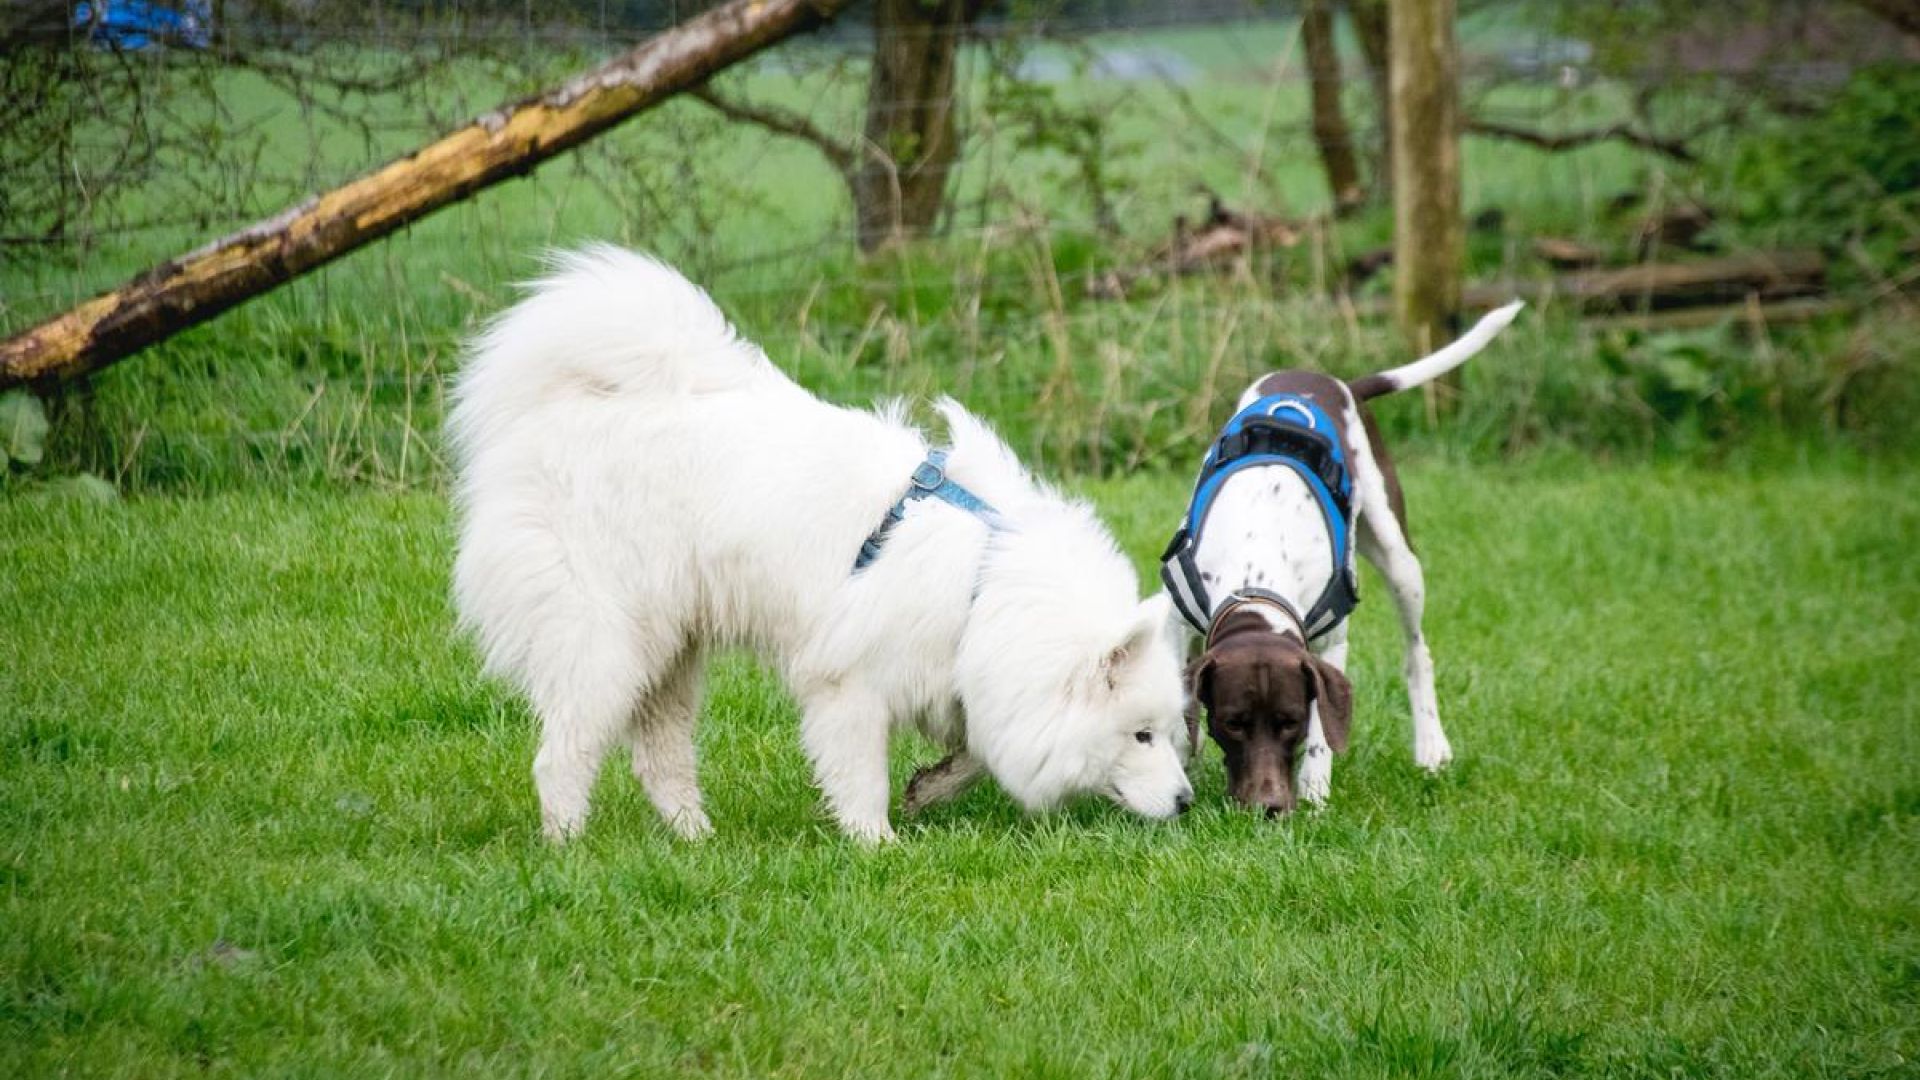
929,481
1288,431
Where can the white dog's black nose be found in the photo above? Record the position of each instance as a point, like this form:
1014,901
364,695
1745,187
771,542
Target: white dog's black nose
1182,801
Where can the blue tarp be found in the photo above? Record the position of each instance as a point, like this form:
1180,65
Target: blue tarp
130,25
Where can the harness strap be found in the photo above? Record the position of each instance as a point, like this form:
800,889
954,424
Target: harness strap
1181,576
1285,430
1270,437
929,481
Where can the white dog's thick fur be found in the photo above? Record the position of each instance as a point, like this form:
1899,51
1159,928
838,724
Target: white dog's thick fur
638,485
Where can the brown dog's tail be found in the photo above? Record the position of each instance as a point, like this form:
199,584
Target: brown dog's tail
1429,368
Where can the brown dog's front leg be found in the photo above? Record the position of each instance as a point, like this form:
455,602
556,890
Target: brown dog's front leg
946,779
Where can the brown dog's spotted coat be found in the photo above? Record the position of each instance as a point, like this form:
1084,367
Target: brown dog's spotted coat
1259,684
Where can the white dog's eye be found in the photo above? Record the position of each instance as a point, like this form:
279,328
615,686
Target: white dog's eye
1145,738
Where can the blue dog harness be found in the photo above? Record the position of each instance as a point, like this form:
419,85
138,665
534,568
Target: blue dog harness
929,481
1278,431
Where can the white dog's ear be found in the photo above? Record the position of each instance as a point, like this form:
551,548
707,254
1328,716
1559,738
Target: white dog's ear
1157,610
1148,619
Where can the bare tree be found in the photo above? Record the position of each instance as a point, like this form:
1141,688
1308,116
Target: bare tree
900,190
897,171
1330,132
1370,27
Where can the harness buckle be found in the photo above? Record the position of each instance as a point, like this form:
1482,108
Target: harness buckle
928,476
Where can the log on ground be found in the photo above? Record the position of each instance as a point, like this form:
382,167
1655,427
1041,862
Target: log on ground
1767,275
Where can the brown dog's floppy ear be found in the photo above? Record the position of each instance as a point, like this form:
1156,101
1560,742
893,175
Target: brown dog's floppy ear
1334,694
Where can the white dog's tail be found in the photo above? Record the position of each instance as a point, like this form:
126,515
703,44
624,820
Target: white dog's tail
603,322
1429,368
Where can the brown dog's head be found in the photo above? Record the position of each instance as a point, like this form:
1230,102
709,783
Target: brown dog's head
1258,687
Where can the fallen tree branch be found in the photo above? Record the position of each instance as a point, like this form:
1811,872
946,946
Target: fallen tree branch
1769,275
510,141
1224,239
1571,140
1762,277
1756,316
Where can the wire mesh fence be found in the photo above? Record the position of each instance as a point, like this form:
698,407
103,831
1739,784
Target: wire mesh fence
1094,140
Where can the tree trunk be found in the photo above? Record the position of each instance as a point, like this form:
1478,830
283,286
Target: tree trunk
1330,131
508,142
1428,236
1370,26
912,142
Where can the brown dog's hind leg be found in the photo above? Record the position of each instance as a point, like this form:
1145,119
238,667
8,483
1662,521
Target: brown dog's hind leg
948,778
1385,546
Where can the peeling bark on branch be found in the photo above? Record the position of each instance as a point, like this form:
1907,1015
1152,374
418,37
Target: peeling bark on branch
507,142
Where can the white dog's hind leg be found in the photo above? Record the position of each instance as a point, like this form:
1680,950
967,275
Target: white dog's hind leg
1385,546
582,714
845,734
663,756
583,679
1316,757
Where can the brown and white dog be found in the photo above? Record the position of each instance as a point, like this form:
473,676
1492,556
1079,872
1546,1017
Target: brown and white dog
1258,577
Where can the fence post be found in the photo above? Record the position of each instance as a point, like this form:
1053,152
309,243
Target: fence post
1428,237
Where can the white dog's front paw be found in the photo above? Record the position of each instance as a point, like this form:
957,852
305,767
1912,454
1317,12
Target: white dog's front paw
1431,750
691,824
1316,774
870,833
560,830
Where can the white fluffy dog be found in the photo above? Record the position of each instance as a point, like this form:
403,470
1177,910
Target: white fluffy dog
638,485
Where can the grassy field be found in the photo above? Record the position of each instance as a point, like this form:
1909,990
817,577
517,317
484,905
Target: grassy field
259,817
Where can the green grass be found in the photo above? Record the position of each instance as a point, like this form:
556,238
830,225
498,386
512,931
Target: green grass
259,816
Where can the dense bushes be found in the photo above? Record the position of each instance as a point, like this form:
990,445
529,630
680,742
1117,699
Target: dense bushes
1846,179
